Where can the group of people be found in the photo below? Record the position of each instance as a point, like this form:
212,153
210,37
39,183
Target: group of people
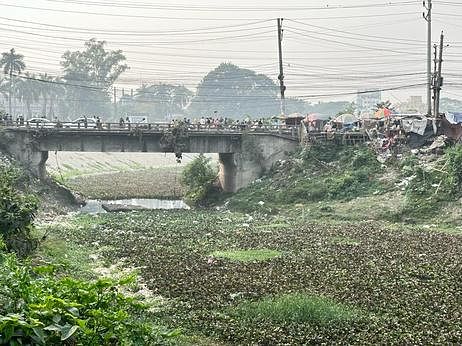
211,122
219,123
6,119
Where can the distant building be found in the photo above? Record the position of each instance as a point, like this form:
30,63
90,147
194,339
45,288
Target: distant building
366,102
413,105
126,99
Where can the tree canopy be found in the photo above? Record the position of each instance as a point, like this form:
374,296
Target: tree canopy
161,100
235,92
90,74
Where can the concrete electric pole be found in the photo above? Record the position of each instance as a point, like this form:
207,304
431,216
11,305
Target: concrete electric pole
428,17
115,103
438,78
281,68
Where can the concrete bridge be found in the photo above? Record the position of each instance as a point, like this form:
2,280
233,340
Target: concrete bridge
244,152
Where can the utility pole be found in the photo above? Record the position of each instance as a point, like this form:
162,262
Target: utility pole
428,17
115,103
438,78
281,68
435,75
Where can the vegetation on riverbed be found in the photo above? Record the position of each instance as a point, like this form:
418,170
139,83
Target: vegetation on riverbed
294,259
161,182
379,281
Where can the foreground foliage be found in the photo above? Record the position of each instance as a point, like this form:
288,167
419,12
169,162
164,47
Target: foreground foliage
36,307
400,285
17,212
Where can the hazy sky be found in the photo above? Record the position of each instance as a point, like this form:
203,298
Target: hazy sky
330,47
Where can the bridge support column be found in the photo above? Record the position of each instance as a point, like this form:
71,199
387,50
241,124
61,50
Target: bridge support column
237,171
23,149
37,163
257,155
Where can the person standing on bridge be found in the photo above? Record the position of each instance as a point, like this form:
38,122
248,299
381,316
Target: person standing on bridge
121,122
98,123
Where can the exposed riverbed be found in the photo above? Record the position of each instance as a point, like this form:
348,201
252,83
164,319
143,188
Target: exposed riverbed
103,206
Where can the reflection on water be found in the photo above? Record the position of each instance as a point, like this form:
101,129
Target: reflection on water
95,206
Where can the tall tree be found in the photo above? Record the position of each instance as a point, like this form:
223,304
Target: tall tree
28,91
235,92
90,74
12,63
57,91
4,88
45,91
162,100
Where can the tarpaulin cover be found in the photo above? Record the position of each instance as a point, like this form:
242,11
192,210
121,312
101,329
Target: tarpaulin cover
346,119
383,113
453,131
415,125
454,118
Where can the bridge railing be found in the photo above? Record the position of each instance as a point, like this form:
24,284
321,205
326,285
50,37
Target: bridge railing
155,127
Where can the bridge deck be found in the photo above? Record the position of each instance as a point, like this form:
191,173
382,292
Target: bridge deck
49,128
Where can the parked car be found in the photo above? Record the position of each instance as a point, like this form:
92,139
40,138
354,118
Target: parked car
80,122
40,122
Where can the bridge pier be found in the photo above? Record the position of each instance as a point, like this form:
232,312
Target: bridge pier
237,171
37,163
24,149
257,155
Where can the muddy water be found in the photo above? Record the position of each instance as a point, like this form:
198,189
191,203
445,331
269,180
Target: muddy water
96,206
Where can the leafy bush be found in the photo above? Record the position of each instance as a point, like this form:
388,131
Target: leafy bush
17,212
432,185
36,308
198,177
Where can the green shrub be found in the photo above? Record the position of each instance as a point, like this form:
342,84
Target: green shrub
432,186
17,212
36,308
198,177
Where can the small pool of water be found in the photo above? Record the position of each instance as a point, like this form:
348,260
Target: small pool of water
96,206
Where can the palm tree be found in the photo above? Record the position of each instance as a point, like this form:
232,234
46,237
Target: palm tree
45,91
4,88
28,91
57,90
12,63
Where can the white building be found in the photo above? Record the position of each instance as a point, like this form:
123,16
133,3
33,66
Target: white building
413,105
366,102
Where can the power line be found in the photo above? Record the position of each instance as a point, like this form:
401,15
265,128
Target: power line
207,32
209,8
303,34
206,29
380,38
